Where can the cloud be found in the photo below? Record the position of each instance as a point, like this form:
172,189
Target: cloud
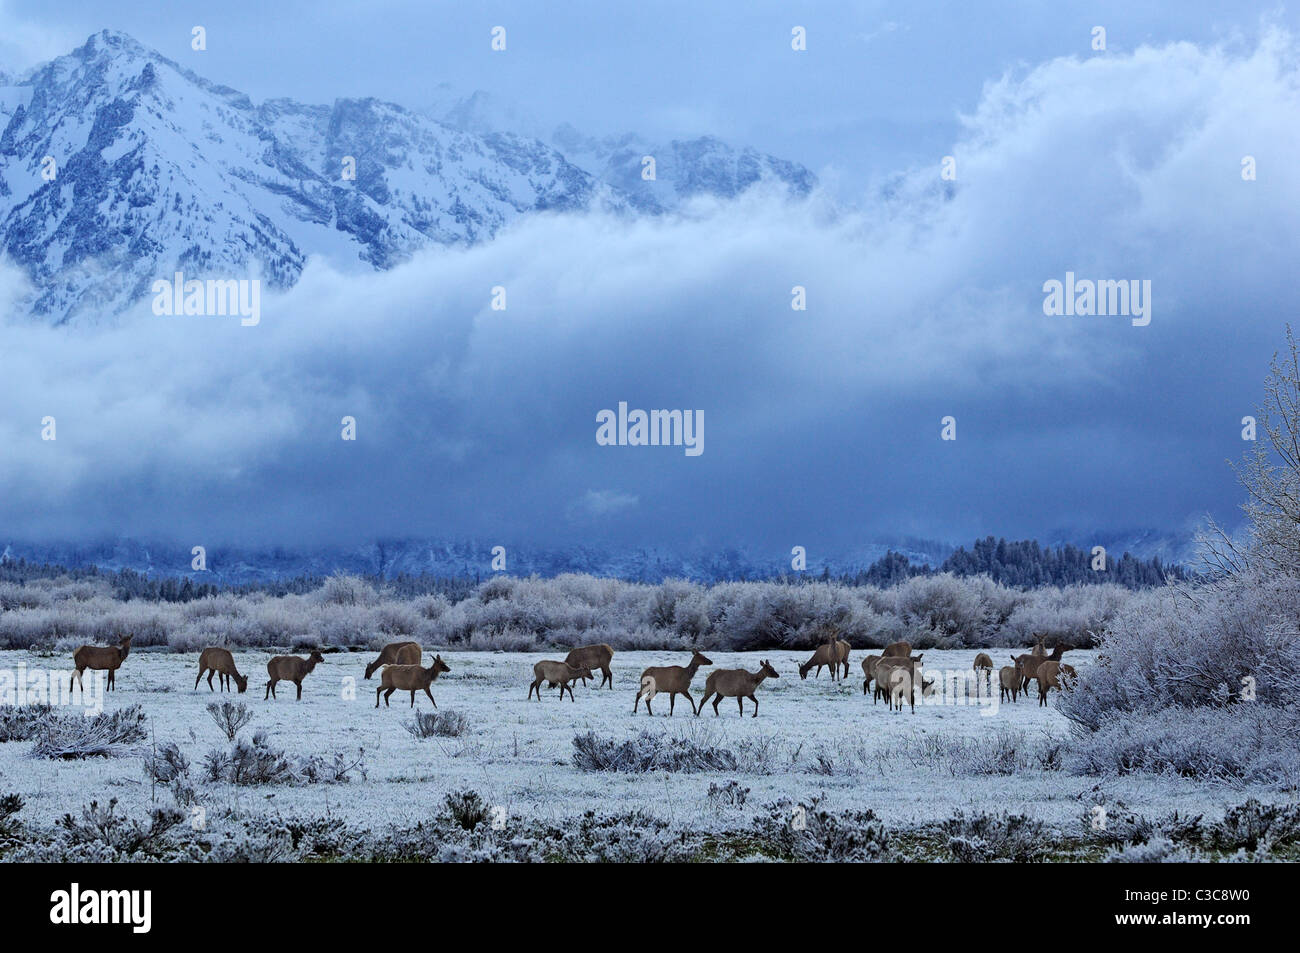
599,503
824,424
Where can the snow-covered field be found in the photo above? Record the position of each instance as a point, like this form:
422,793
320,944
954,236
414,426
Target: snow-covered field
519,754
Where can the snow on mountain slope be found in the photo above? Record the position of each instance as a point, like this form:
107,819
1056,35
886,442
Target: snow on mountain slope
159,170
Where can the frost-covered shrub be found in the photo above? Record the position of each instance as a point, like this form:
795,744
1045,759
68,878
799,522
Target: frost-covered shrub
650,751
981,838
731,793
1204,682
74,735
125,837
345,590
166,764
1243,743
943,611
467,809
229,717
438,724
20,722
1004,751
250,762
810,831
255,762
1159,850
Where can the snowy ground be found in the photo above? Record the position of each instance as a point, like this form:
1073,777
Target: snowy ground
518,753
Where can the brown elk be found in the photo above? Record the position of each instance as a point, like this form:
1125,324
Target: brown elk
736,683
673,679
290,668
833,654
594,657
410,678
1056,675
397,653
1028,664
869,670
897,650
556,673
897,677
1009,678
219,662
881,672
101,658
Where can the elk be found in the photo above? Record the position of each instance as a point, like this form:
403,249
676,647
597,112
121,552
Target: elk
594,657
880,670
221,663
833,654
673,679
101,658
397,653
982,661
896,676
869,670
1028,664
735,683
410,678
898,650
1052,674
556,673
290,668
1038,651
1010,681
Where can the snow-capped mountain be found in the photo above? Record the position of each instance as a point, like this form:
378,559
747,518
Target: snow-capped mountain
683,168
118,167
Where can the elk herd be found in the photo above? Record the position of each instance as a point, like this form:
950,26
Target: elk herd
897,673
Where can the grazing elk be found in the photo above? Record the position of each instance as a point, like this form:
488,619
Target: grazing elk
594,657
869,670
673,679
410,678
219,662
1009,678
881,671
397,653
290,668
833,654
556,673
1052,674
898,650
736,683
896,678
101,658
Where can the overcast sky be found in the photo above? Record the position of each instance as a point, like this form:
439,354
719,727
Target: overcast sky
821,425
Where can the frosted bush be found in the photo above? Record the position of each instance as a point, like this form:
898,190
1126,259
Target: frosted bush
344,590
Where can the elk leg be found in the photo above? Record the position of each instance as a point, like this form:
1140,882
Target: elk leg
299,684
211,672
741,702
377,691
692,701
430,694
412,697
199,679
715,706
702,701
268,691
755,701
672,703
609,677
386,694
647,706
